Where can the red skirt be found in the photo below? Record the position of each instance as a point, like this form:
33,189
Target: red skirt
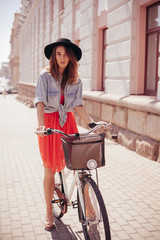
50,147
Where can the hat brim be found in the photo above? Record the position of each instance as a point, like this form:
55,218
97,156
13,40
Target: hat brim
49,48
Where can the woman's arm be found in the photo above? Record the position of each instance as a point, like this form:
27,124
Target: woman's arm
40,114
82,113
40,117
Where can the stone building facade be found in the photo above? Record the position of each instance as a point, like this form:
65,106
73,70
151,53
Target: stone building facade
120,65
14,54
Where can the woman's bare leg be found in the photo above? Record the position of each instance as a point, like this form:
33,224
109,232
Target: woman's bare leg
48,185
90,212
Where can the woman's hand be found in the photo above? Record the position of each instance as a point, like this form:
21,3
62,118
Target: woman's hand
40,128
101,128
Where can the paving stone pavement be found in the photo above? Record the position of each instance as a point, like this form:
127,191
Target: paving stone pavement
130,185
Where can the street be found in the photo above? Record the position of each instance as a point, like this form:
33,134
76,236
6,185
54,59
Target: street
129,183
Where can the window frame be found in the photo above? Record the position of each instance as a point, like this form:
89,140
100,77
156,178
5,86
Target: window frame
156,30
104,48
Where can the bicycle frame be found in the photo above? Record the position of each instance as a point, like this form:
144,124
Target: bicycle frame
75,181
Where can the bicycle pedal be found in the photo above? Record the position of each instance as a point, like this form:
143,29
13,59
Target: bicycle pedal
74,204
89,222
93,222
58,201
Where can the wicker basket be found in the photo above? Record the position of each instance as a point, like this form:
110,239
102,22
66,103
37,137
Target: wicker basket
86,152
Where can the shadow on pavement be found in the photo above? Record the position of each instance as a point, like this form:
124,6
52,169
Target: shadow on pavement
64,231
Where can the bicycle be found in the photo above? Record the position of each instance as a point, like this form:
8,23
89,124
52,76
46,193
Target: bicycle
91,208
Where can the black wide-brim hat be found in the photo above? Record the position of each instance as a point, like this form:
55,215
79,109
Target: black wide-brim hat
63,42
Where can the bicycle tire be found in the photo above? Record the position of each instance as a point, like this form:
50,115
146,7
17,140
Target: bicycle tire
59,207
99,228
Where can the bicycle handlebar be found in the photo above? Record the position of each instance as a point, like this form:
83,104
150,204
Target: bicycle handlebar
50,131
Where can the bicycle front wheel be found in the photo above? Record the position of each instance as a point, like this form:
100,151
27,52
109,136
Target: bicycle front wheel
93,217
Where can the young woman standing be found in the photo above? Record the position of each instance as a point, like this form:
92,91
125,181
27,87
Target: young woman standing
59,91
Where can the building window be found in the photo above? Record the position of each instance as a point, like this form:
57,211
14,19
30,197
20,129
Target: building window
153,49
104,48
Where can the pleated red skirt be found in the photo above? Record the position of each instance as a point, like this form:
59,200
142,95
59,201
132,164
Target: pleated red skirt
50,147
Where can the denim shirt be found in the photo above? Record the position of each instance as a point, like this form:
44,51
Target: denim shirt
48,91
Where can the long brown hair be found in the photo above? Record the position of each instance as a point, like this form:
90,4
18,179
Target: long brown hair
70,73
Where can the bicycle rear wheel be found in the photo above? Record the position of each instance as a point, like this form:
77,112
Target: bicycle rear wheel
98,227
59,201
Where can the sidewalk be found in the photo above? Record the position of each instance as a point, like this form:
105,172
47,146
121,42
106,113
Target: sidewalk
130,185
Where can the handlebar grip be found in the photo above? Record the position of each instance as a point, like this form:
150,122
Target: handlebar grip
48,131
92,124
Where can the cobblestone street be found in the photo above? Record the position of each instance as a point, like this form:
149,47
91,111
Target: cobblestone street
129,184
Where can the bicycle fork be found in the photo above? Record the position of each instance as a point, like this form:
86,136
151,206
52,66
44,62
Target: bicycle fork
81,199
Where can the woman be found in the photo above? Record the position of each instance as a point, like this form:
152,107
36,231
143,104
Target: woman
59,91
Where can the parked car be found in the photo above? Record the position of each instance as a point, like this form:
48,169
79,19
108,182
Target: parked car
12,90
1,89
15,90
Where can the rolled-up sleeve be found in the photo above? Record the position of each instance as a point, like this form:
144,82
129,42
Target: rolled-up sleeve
78,96
41,90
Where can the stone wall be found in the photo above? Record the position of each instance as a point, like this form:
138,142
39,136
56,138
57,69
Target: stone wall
135,120
26,94
121,47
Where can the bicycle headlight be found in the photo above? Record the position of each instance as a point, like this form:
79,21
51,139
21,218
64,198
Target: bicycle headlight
91,164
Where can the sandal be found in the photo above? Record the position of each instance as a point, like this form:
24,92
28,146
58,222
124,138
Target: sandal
49,225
